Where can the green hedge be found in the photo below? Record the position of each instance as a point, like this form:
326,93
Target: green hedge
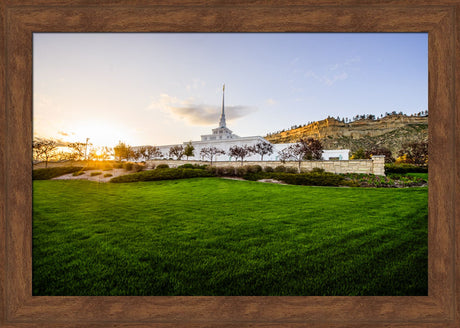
162,174
405,168
306,179
192,166
53,172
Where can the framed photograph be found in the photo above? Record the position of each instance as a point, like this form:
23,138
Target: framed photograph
31,293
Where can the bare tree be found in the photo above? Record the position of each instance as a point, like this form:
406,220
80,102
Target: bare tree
77,150
152,152
263,148
44,149
211,152
176,151
304,149
240,152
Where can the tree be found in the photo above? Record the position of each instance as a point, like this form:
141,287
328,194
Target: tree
122,151
381,151
136,154
176,151
152,152
44,149
304,149
211,152
415,152
359,154
240,152
263,148
77,150
188,150
105,153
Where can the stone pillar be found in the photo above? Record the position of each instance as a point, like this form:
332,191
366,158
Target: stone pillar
378,164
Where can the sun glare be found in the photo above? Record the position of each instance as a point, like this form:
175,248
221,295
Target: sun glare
99,133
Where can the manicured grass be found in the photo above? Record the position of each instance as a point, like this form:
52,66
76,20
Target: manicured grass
211,236
419,175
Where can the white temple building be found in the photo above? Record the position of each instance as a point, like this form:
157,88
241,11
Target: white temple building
223,138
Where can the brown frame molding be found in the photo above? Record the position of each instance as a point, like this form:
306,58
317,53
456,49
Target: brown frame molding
19,19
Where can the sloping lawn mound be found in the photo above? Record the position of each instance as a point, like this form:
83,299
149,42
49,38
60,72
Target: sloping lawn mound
53,172
162,174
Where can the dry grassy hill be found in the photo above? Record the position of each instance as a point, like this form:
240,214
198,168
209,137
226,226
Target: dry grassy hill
391,132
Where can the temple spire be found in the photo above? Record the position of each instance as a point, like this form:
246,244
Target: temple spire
222,123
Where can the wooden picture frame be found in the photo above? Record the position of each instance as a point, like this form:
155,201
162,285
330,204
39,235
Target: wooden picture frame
20,19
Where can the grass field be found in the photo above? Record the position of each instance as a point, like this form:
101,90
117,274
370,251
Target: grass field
211,236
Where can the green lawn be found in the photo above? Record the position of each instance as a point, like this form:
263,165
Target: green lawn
419,175
211,236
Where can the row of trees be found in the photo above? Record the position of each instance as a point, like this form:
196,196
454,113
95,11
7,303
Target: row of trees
412,153
46,150
304,149
238,152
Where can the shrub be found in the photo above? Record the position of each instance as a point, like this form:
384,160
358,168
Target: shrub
128,166
307,179
280,168
138,167
118,165
391,181
95,173
290,169
76,174
53,172
107,175
317,170
186,166
268,169
240,171
311,179
162,166
212,170
107,167
192,166
405,168
225,171
253,168
162,174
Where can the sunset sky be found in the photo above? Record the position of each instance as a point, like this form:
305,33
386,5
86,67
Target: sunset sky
166,88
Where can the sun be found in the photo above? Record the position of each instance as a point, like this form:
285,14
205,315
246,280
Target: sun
100,133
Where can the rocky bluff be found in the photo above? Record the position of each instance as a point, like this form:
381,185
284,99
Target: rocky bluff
391,131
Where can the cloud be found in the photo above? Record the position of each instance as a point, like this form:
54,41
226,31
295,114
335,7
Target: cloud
334,67
334,72
327,79
270,102
62,133
338,77
196,83
209,115
198,114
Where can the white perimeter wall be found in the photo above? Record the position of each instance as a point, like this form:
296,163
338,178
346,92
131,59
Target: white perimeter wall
225,145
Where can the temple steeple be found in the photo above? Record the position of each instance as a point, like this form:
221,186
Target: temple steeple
222,123
221,132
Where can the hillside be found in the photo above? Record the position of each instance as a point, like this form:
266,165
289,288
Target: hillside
391,132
